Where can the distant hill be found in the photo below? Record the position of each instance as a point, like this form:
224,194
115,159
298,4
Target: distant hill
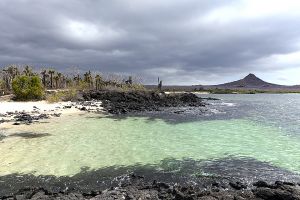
252,82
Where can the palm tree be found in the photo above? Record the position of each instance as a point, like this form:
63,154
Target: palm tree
59,79
51,72
44,75
56,78
63,83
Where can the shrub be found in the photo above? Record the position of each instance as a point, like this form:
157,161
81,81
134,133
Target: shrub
53,97
70,95
28,88
2,85
67,95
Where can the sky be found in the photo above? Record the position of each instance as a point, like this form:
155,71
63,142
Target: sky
184,42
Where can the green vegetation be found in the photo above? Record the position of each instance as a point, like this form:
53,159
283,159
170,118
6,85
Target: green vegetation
64,95
231,91
2,85
60,86
27,88
26,83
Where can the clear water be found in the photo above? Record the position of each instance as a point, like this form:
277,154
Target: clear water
263,127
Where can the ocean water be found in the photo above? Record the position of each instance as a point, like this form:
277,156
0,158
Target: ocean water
260,131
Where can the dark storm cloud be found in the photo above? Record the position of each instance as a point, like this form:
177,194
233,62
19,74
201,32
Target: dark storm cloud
181,41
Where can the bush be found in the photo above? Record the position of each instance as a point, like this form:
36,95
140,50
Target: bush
28,88
2,85
67,95
53,97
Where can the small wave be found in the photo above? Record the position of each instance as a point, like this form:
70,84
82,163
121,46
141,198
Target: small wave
215,111
223,104
228,104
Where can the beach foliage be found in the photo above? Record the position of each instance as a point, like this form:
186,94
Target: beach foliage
28,88
29,84
2,85
64,95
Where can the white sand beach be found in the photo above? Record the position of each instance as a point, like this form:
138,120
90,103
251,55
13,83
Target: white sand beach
42,106
9,109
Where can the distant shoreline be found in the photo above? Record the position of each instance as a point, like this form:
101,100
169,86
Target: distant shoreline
216,90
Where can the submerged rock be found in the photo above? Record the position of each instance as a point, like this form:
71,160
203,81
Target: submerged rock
238,185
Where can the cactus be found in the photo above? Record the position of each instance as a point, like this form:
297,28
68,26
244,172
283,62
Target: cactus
160,85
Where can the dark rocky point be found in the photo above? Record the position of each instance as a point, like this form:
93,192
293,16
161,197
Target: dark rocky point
139,189
118,102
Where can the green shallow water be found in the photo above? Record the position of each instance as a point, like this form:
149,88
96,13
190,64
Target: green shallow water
75,142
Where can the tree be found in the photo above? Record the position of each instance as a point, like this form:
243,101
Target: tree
9,74
69,82
56,78
51,72
88,79
59,75
28,88
44,75
77,79
99,82
2,87
28,71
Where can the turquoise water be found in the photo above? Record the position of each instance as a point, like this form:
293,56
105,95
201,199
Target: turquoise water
260,127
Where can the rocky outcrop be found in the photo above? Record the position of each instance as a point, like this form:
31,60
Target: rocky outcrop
28,119
138,189
117,102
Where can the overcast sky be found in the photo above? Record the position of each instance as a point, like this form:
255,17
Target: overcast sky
181,41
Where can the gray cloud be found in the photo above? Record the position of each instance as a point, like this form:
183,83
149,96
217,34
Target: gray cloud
173,39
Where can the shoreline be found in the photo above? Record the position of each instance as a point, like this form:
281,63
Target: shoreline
133,186
114,103
13,113
136,187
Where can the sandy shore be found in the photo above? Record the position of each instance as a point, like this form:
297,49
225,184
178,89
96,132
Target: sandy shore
43,106
10,109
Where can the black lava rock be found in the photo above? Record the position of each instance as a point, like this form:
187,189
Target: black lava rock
118,102
237,185
144,190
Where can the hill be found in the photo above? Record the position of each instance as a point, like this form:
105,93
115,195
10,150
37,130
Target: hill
250,82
